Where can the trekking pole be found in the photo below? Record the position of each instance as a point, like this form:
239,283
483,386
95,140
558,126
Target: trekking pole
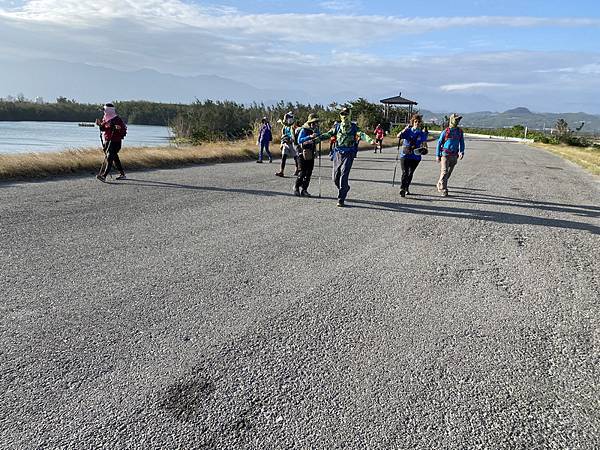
396,165
319,169
105,155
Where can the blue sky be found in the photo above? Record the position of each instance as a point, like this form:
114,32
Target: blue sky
477,54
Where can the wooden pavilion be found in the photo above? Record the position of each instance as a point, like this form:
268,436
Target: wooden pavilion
395,111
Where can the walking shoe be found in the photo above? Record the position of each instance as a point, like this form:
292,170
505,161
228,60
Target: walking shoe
121,177
296,173
402,193
296,192
270,160
259,162
407,192
305,193
444,193
101,178
340,204
279,174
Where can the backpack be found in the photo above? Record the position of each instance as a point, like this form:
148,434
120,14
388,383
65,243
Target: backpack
121,132
447,134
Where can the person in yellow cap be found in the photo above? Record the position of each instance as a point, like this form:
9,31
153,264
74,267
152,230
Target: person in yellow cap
346,133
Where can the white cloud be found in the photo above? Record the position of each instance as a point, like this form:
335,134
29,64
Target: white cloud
470,86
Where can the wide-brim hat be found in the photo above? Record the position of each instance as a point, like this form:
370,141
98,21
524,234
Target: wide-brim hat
313,118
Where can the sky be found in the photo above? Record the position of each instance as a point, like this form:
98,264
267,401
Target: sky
461,55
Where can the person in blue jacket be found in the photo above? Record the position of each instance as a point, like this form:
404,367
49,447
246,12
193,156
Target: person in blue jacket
414,138
450,148
307,140
265,136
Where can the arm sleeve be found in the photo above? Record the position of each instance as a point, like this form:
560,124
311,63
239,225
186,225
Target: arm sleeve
440,143
365,137
303,136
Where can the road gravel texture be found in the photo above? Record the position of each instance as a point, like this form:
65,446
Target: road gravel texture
206,307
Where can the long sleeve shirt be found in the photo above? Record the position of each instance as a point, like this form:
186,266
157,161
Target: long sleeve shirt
413,138
346,134
265,136
450,143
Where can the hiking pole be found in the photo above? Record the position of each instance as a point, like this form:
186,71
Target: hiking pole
396,165
319,169
105,155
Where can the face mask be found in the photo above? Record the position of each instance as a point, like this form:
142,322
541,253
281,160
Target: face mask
289,121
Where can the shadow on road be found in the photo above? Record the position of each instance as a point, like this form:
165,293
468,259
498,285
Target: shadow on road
438,210
475,214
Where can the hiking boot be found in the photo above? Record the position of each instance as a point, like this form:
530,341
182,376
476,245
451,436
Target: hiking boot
279,174
305,193
297,192
402,193
340,204
121,177
101,178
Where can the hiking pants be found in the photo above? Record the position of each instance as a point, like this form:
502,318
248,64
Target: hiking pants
112,156
447,165
306,170
408,170
264,147
342,164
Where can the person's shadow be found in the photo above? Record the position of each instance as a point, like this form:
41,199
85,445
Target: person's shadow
464,195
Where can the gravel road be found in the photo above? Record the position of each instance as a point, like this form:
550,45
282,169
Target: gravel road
206,307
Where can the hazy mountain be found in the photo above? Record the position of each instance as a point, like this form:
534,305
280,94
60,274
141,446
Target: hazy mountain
521,116
86,83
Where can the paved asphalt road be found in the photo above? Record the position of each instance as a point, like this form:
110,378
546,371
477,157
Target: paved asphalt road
206,307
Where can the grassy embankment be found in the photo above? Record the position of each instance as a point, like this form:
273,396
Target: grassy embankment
41,165
586,157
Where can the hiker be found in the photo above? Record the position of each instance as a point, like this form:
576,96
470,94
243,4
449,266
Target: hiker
307,151
450,148
288,143
265,136
413,146
379,135
346,133
114,130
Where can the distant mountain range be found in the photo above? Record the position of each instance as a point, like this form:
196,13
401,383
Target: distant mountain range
521,116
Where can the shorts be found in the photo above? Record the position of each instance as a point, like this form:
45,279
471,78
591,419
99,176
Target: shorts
289,150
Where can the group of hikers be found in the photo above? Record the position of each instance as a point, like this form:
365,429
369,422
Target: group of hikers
302,143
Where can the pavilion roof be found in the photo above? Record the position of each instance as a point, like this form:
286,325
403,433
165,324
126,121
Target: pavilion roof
398,100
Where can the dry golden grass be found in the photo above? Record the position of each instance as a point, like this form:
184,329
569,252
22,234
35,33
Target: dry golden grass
39,165
588,158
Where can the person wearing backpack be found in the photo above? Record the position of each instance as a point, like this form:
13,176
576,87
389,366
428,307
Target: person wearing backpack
346,133
114,130
450,148
414,138
265,136
307,139
288,143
